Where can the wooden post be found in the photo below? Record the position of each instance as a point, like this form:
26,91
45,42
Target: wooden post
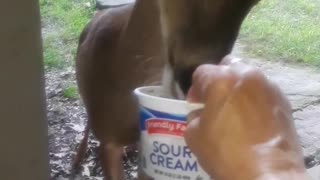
23,125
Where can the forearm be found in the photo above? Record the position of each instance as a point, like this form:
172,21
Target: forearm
282,165
274,166
287,175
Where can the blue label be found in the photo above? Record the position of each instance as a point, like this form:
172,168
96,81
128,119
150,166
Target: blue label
146,113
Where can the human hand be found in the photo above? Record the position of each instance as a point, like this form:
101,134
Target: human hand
245,131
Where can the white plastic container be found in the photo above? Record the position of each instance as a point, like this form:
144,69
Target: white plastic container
163,151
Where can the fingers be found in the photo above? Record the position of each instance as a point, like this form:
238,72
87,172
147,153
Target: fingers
193,115
213,85
228,60
205,75
201,79
218,78
191,134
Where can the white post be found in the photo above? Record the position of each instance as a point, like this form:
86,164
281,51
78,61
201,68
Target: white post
23,125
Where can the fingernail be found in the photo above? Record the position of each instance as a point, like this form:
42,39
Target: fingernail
194,106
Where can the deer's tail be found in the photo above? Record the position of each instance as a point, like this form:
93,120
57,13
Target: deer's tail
80,154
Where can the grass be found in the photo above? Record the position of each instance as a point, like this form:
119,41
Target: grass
63,21
285,29
52,56
275,29
70,92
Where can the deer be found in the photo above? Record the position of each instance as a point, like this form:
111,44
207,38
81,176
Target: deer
148,42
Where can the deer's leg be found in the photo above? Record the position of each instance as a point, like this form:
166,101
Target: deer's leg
112,165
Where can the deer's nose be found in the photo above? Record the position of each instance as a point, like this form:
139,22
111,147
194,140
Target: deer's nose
183,76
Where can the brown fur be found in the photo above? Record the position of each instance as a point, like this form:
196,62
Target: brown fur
123,48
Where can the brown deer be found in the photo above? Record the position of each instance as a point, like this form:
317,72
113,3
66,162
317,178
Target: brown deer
146,43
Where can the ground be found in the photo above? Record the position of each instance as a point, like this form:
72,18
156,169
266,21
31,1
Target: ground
67,116
66,119
300,82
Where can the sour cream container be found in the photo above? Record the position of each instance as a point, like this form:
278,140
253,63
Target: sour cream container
163,153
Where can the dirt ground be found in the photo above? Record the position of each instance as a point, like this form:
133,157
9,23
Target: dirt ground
67,117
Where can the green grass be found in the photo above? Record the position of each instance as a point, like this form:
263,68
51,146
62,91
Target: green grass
62,22
52,56
285,29
70,92
275,29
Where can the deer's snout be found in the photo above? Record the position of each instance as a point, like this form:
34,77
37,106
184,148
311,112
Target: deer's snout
183,76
